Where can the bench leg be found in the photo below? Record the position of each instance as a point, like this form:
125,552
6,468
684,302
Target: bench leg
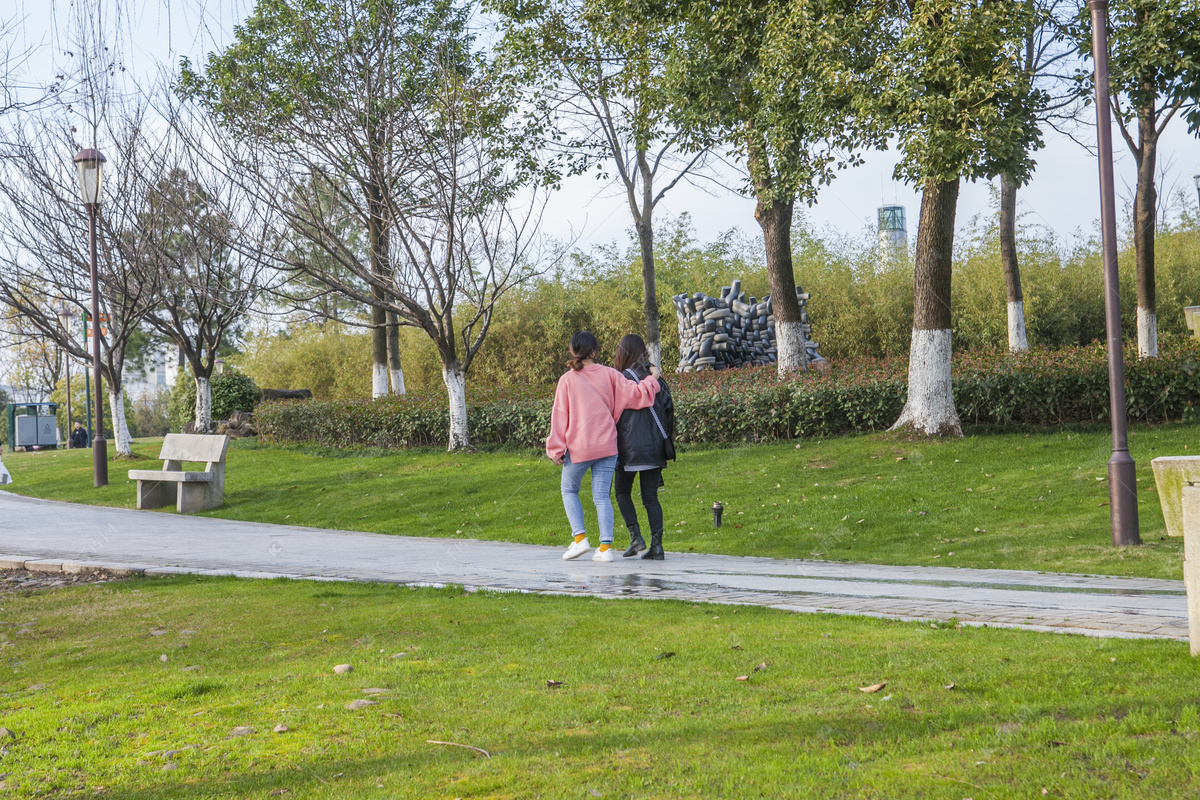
155,494
195,497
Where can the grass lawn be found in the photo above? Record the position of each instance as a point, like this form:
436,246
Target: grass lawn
1026,500
171,688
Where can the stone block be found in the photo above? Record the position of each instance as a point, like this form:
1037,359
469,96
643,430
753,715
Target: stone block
1171,474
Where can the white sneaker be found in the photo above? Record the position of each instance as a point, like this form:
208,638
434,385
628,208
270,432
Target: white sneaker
602,555
577,549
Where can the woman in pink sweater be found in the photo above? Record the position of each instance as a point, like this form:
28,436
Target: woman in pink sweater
583,435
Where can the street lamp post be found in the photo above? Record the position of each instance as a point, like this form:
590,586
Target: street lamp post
90,164
1122,480
64,316
1196,178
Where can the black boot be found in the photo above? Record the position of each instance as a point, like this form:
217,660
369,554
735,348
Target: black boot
655,553
636,543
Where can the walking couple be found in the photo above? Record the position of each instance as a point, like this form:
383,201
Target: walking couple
618,423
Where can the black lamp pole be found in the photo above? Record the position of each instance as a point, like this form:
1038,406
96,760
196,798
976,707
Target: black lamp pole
1122,480
90,164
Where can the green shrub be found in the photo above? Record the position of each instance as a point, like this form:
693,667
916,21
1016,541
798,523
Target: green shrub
993,387
231,391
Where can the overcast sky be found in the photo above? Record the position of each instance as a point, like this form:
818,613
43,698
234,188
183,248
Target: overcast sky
1063,194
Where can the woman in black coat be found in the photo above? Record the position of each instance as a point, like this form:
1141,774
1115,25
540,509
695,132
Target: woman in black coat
643,446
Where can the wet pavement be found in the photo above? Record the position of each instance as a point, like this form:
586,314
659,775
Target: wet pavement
48,536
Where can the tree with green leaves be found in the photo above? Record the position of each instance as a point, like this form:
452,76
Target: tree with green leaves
602,96
950,85
389,103
1154,76
329,86
773,82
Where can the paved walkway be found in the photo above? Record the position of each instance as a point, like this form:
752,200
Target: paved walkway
51,536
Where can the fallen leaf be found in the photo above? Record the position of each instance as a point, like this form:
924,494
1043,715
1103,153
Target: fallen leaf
342,669
241,730
760,667
663,656
743,677
554,684
280,728
949,685
594,793
735,647
279,792
356,705
873,688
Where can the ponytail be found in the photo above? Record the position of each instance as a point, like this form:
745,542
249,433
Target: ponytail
583,347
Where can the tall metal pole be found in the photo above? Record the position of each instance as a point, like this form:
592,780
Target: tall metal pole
67,362
99,444
1122,480
87,379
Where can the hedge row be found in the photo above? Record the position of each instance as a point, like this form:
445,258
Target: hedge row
1040,387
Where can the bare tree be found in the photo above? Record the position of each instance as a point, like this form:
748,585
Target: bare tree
44,253
184,239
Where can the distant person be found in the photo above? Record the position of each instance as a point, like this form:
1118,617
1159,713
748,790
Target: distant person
79,436
643,447
583,435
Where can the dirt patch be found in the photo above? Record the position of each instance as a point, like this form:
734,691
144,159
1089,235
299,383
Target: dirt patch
16,580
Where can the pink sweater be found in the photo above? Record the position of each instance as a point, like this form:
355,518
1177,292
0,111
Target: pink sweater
584,421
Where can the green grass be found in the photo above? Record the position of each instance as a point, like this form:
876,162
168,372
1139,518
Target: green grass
106,678
1026,500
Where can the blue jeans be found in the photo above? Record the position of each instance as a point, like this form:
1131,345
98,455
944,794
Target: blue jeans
602,477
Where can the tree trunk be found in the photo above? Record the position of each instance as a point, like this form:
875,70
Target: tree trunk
929,409
645,231
203,405
1017,341
124,442
775,218
1145,212
456,387
395,370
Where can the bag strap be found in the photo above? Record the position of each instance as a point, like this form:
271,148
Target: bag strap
633,376
589,385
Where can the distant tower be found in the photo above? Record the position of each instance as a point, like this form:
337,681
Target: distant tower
893,233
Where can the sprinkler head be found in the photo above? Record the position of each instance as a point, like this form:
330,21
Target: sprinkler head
718,509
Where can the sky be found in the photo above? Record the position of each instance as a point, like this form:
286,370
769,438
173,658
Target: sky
1063,194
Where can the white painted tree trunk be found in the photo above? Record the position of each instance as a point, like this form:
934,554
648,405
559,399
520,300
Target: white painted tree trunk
124,442
203,405
929,409
790,353
456,387
1016,327
379,380
1147,322
654,351
397,378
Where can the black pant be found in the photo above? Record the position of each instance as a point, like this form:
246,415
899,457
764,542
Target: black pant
651,478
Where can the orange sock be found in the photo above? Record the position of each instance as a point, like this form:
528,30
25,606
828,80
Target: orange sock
579,537
604,547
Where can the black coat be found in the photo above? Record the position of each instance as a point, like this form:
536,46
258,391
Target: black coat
639,440
79,438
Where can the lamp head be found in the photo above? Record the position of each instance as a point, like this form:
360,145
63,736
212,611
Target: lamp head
90,163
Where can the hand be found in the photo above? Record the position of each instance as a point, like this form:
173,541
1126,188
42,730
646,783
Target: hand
654,371
558,460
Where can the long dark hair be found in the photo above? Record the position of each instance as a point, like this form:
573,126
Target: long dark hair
631,353
583,346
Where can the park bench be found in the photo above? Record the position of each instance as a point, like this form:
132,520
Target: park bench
190,490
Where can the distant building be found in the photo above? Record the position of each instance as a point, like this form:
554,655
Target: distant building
159,373
892,234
